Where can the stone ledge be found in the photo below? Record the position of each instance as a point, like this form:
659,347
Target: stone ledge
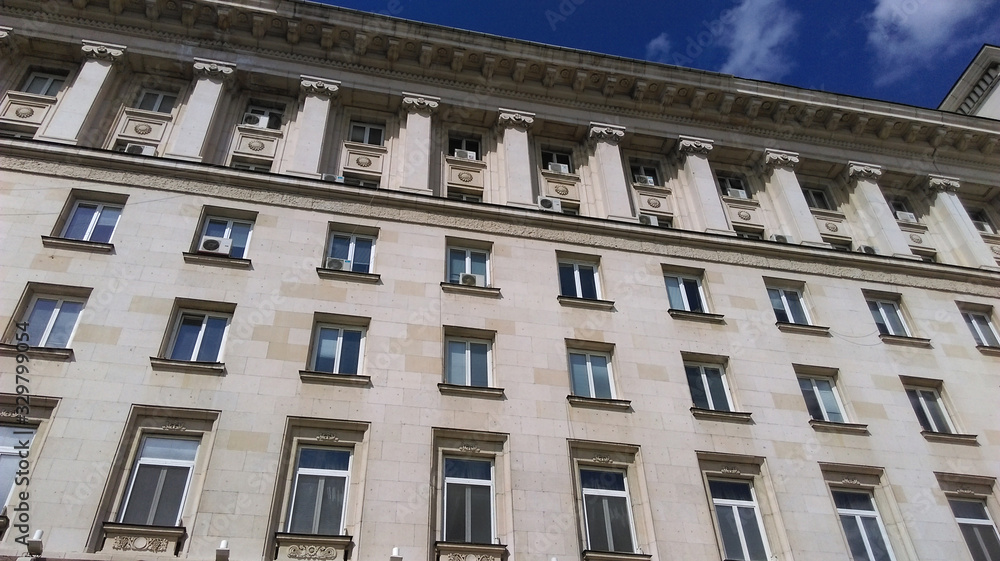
728,416
479,552
905,341
217,260
697,316
803,329
471,391
487,291
845,428
367,278
163,540
599,403
78,245
988,350
311,547
589,303
950,438
329,378
191,366
591,555
46,353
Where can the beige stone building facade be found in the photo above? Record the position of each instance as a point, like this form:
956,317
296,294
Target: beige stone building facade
288,281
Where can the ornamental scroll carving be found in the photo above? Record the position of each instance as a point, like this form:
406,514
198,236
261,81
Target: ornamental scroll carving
517,121
213,69
863,171
420,105
611,135
700,146
140,543
470,557
941,184
101,51
323,552
780,160
313,86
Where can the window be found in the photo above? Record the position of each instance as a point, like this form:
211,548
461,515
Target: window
982,329
982,221
467,148
160,102
227,232
978,529
738,519
708,386
645,173
888,317
199,336
561,162
467,362
468,501
748,235
862,525
590,374
247,166
14,441
263,117
788,306
579,280
733,186
841,245
367,134
337,349
607,510
901,209
160,480
460,196
685,293
350,252
43,83
92,221
52,320
929,408
821,399
319,492
816,197
468,266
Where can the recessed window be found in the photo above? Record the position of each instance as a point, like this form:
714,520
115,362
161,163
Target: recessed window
738,518
982,221
579,280
467,362
590,374
365,133
888,317
559,162
788,305
468,266
319,493
337,349
708,386
92,221
817,197
685,293
350,252
862,525
465,148
982,328
733,185
901,209
749,235
160,480
51,320
199,336
977,527
929,408
645,173
263,117
227,237
607,510
822,401
43,83
15,444
460,196
840,245
468,501
160,102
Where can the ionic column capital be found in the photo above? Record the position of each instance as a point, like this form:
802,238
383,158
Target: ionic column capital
942,184
421,104
779,159
510,119
103,51
691,145
857,170
213,69
610,134
310,85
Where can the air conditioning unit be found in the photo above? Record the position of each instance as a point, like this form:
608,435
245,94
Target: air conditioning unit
739,193
255,120
549,204
335,264
867,249
906,216
465,154
645,180
558,168
648,220
781,238
983,227
215,245
468,279
332,178
144,149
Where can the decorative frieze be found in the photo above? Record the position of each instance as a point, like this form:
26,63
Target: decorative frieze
420,104
856,170
690,145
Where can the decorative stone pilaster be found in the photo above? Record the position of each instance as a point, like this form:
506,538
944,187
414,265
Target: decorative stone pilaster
700,198
782,186
613,192
305,142
191,132
876,217
512,130
416,141
952,221
77,103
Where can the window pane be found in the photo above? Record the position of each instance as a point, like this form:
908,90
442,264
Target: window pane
693,295
812,404
331,507
621,527
455,510
730,533
216,228
179,449
140,500
880,551
602,382
38,320
187,337
751,532
362,255
304,507
456,362
79,223
211,341
853,501
357,133
481,514
877,316
148,101
698,395
69,312
36,85
375,136
240,233
597,522
316,458
982,542
350,352
456,264
478,263
567,280
478,364
468,469
602,480
892,316
777,305
968,509
8,467
167,103
731,490
588,281
795,307
990,338
829,400
578,371
854,540
168,506
326,349
340,247
674,293
918,409
720,402
936,412
105,224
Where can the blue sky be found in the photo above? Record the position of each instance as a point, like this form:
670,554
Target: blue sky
906,51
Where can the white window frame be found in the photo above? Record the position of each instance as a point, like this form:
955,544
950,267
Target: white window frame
814,195
735,504
784,292
576,277
181,314
314,353
921,398
17,432
351,247
979,215
590,372
229,230
466,481
684,296
368,128
468,362
160,462
320,472
468,261
60,300
93,221
639,167
584,491
883,304
461,196
50,78
979,328
819,399
158,104
976,522
858,515
704,384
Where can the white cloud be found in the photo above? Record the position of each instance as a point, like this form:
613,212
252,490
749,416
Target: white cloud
907,35
757,34
658,48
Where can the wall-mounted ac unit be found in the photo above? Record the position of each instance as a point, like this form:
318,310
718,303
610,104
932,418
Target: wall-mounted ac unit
549,204
215,245
906,216
739,193
469,279
645,180
648,220
144,149
332,178
558,168
255,120
465,154
867,249
781,238
335,264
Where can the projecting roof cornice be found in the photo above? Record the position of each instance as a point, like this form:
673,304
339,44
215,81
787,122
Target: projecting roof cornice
373,44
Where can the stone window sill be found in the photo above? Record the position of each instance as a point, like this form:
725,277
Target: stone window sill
987,350
728,416
697,316
591,555
589,303
217,260
487,291
803,329
79,245
192,366
599,403
351,380
471,391
46,353
967,439
353,276
845,428
905,341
